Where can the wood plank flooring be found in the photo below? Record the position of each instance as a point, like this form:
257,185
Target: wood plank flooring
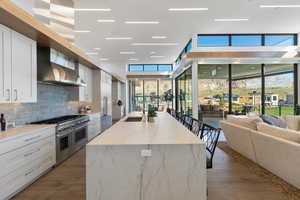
230,179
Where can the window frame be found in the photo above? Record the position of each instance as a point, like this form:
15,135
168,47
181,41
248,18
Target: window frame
295,38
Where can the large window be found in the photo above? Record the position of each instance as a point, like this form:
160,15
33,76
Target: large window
280,40
184,92
165,90
137,95
246,89
148,67
243,40
145,92
264,89
213,91
279,89
246,40
213,40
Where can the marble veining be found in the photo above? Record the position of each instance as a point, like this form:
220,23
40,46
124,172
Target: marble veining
173,170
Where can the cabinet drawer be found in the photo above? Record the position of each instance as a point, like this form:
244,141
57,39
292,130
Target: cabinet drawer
24,175
10,161
27,139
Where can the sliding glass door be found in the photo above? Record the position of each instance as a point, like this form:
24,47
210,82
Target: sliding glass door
279,89
260,88
246,89
184,92
150,92
213,91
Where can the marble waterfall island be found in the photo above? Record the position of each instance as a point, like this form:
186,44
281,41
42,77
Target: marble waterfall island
146,161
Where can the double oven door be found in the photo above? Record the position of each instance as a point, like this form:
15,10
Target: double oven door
69,141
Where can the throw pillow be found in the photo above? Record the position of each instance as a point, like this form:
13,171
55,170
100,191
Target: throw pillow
273,120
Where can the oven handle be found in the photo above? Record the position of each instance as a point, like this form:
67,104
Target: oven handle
60,135
81,127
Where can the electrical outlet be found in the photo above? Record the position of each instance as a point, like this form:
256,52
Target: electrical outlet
146,153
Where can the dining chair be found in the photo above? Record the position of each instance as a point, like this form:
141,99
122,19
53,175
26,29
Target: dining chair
196,126
187,121
210,136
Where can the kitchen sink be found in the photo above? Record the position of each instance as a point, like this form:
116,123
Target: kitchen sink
133,119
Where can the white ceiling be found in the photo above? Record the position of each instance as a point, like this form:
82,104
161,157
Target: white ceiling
177,26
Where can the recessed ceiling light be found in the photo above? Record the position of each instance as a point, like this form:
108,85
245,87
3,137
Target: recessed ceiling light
188,9
106,20
127,52
154,44
152,52
97,49
118,38
133,59
230,20
104,59
91,53
141,22
82,31
157,56
280,6
93,9
159,37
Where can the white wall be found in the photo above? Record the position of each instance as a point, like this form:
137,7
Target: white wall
26,5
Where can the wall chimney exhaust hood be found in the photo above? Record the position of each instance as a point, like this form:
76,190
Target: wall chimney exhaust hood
55,68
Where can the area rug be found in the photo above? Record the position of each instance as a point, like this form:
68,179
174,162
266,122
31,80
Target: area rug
292,192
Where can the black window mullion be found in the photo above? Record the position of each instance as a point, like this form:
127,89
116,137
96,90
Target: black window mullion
157,93
263,88
230,87
296,87
230,40
263,40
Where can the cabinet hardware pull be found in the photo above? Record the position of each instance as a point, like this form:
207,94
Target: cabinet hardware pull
27,140
16,94
29,154
28,173
8,95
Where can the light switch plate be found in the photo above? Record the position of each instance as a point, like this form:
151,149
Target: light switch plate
146,153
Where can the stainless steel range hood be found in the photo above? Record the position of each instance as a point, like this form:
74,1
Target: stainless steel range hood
57,69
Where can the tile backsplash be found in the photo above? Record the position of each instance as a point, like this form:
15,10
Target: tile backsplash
52,101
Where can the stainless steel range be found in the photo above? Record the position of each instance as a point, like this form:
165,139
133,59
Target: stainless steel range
71,134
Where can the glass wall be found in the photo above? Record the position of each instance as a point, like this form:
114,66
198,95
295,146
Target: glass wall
263,89
184,92
137,95
246,89
149,68
150,92
279,90
213,91
145,92
242,40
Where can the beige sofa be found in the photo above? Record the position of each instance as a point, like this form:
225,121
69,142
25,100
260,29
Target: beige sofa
275,149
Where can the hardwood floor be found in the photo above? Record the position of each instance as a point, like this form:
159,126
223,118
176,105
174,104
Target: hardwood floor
230,179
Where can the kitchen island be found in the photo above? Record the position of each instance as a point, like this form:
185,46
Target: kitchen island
146,161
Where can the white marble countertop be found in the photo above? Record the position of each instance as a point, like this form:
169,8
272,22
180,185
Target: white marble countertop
19,131
165,130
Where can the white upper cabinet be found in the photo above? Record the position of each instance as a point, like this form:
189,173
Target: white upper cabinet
5,65
24,69
18,64
86,74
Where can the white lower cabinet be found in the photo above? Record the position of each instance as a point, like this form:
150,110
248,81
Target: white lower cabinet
94,126
34,155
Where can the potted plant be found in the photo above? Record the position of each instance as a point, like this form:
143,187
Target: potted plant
151,113
168,97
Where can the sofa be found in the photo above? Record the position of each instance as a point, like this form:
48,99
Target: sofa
275,149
